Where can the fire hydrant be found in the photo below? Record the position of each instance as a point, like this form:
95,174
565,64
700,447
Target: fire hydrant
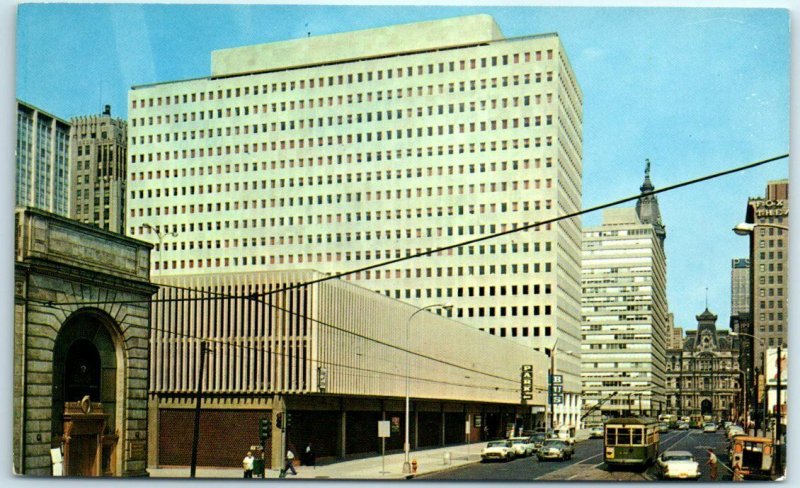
414,466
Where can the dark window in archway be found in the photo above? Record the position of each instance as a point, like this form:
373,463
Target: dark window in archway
82,371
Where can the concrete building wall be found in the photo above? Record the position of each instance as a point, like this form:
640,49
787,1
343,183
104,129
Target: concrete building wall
625,317
372,151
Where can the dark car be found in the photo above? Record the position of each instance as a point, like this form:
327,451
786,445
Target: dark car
555,449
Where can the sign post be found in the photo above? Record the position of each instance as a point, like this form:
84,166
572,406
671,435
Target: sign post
467,433
383,433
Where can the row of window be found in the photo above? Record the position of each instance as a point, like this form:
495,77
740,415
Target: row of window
293,85
517,331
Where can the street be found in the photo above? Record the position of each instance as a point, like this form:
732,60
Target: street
587,463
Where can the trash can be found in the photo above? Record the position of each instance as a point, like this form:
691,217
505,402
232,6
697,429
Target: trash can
258,467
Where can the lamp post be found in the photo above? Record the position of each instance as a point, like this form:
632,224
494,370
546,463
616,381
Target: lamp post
745,382
406,445
155,230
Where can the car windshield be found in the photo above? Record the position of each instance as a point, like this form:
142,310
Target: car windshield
711,425
497,444
553,444
537,437
678,457
519,441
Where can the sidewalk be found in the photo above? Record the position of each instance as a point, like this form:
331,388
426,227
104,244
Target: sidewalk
375,467
428,461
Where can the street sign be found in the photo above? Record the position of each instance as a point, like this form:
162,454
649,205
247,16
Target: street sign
558,399
558,388
557,379
383,428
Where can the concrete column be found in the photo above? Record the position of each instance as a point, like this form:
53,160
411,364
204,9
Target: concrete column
152,432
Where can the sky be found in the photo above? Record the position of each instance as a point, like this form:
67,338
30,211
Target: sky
694,90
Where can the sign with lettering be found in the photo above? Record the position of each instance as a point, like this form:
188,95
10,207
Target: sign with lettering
526,380
557,379
558,399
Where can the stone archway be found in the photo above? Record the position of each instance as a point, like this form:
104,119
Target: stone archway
85,408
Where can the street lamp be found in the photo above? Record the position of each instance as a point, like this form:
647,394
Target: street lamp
160,236
744,383
406,445
745,228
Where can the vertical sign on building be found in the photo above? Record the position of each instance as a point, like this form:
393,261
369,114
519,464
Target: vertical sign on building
526,379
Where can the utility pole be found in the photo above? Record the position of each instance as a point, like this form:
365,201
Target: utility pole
778,415
203,351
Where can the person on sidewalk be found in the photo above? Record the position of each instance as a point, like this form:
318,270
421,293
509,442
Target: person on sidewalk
247,465
310,457
289,463
712,462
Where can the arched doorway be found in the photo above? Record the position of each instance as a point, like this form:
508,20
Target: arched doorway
85,394
706,408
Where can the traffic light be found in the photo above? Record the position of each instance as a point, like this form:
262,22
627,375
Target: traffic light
279,421
265,429
288,419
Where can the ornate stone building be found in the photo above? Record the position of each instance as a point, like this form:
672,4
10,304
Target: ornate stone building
81,326
703,377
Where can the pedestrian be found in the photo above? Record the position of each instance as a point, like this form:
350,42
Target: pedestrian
289,463
310,457
737,473
712,462
247,465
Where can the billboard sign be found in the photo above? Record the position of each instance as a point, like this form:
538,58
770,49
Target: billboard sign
771,367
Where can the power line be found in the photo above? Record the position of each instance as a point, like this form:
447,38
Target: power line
529,226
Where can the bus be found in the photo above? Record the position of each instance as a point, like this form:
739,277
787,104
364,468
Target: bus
630,441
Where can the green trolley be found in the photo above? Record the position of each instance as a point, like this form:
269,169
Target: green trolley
630,441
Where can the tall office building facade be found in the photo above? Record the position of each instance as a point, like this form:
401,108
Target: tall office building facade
98,162
740,286
347,150
624,306
769,256
42,158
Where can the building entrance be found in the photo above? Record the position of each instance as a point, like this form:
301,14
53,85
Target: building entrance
705,407
84,395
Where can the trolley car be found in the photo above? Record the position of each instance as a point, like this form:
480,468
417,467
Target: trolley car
630,441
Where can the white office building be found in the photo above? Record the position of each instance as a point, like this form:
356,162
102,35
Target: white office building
624,306
342,151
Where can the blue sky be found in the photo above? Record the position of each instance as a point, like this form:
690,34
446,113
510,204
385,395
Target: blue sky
694,90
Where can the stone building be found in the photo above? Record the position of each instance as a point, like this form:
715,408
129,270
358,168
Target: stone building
81,326
703,377
98,164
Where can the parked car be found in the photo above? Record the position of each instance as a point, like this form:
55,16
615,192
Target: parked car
596,431
663,427
523,446
710,427
683,425
555,449
678,465
537,440
498,450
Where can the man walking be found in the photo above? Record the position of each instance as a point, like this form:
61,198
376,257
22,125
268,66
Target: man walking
289,462
247,465
712,462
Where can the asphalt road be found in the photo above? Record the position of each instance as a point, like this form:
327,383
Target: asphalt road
587,463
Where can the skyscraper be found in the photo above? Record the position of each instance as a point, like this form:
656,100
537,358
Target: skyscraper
42,158
99,157
342,151
740,286
769,256
624,310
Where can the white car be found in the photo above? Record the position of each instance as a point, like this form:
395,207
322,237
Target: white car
733,431
499,450
522,445
709,427
678,465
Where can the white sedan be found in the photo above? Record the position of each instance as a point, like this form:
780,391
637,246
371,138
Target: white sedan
678,465
523,445
500,450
